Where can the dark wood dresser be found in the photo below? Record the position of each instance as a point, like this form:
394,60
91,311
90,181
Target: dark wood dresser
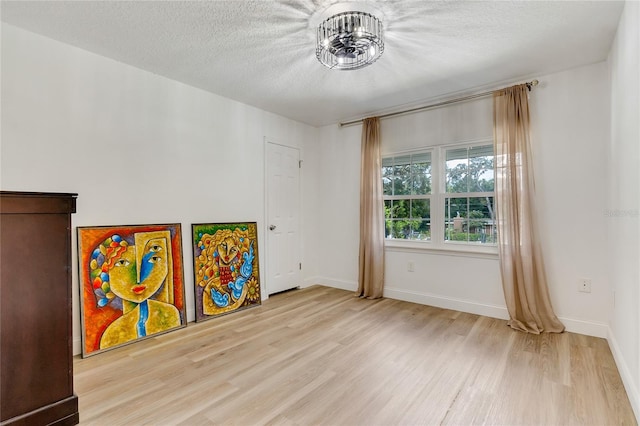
36,351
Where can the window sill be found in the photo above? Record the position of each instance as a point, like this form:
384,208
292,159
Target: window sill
450,249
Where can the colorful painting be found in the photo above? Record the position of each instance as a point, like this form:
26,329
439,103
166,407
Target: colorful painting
227,277
132,284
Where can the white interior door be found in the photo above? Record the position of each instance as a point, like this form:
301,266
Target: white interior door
283,211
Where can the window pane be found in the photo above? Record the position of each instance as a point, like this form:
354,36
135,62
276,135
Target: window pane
421,230
402,185
402,175
456,224
469,169
388,208
403,160
456,173
456,207
420,209
421,184
421,162
470,220
387,162
400,209
481,222
423,157
387,179
407,174
481,174
408,219
398,228
388,228
481,151
457,154
421,170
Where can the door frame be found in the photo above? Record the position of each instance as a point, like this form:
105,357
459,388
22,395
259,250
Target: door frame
265,227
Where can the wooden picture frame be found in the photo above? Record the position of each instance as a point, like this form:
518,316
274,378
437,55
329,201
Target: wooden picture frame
131,284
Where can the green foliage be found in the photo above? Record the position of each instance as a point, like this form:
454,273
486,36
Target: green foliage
407,229
407,219
468,170
407,175
472,237
476,175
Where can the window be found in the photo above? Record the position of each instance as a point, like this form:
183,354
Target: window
452,205
406,184
469,198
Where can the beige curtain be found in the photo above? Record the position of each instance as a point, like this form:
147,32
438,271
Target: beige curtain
523,275
371,263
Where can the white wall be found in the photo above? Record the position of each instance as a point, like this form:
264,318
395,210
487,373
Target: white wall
136,147
570,116
310,205
336,215
466,282
570,122
622,204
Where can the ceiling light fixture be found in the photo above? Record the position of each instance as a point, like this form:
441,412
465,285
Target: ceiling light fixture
349,40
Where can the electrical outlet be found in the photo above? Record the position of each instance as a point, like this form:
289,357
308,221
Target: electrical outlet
410,266
584,285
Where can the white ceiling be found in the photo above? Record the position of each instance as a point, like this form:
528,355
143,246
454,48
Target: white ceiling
262,53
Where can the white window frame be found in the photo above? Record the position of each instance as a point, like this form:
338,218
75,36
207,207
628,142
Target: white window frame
438,196
413,196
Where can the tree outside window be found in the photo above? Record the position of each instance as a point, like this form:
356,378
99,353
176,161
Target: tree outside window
406,183
469,199
463,197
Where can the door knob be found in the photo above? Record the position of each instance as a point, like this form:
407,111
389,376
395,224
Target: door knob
272,227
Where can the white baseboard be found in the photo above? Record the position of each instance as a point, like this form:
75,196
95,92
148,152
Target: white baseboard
486,310
331,282
308,282
422,298
588,328
625,374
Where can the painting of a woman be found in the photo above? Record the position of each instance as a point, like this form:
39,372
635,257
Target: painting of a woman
132,277
225,267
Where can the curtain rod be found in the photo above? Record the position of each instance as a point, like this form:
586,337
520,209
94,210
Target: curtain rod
529,84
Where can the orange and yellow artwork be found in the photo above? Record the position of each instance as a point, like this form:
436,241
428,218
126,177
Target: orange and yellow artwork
132,284
227,276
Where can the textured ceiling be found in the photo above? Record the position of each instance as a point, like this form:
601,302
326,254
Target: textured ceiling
262,53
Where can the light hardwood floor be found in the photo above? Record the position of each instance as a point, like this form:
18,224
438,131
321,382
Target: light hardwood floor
320,356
